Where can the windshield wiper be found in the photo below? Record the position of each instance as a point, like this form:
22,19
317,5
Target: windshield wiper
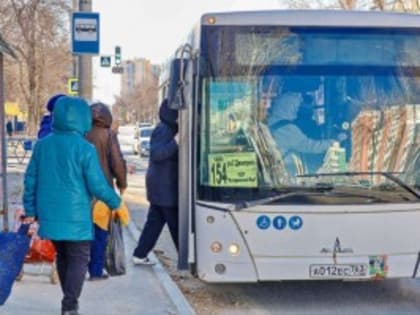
282,194
389,175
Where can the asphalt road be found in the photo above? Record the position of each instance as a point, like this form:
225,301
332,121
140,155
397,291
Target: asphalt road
390,297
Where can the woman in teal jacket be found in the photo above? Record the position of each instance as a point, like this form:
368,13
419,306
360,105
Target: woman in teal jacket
62,178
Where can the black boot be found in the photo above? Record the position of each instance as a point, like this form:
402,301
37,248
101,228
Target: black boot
74,312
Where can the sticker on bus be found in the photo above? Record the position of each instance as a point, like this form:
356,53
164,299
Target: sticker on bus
233,169
263,222
280,222
295,223
378,266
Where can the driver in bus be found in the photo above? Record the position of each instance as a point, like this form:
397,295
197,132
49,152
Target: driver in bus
292,141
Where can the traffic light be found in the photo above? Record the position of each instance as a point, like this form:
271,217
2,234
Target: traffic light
117,55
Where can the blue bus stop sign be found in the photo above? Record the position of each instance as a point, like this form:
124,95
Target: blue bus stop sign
85,33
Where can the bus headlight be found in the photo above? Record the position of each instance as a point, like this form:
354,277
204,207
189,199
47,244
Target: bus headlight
211,20
234,249
216,247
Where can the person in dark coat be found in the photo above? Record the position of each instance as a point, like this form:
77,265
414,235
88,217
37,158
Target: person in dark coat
161,185
114,168
9,128
45,127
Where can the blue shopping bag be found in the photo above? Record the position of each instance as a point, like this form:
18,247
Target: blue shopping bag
13,249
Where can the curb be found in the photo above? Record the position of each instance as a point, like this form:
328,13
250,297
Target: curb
178,299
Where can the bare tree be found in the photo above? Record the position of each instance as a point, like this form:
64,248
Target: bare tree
381,5
38,32
348,4
140,105
314,4
407,5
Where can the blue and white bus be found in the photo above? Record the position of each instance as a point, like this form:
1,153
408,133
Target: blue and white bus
299,145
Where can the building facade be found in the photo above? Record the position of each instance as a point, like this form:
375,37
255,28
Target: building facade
139,90
383,141
138,72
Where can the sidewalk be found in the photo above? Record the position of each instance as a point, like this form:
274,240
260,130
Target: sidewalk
141,291
144,290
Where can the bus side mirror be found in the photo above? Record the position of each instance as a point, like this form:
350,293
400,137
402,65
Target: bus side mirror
177,84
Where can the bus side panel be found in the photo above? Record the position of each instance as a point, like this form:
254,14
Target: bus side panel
363,233
285,245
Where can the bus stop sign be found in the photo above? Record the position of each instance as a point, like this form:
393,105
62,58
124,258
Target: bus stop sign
85,33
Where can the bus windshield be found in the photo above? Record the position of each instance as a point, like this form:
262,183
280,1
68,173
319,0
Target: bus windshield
293,107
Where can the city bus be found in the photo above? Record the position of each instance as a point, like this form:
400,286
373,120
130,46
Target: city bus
299,145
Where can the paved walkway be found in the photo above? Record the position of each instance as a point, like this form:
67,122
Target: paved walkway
140,292
143,291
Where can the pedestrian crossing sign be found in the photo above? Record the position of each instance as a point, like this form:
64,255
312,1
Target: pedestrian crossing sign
72,86
106,61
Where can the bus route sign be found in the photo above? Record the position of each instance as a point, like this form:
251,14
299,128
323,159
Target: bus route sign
233,169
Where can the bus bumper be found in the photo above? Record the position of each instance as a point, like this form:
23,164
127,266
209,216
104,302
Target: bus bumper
378,267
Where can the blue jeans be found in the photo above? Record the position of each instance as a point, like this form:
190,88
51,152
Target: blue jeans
156,219
97,252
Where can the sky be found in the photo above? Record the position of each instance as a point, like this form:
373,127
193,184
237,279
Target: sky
152,29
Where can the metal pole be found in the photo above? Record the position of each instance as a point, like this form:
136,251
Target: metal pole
85,62
74,58
5,209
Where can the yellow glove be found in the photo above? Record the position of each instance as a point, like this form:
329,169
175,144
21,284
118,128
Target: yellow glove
101,215
122,213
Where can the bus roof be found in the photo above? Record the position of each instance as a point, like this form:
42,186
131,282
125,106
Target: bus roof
339,18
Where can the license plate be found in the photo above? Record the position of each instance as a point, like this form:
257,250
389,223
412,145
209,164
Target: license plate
338,271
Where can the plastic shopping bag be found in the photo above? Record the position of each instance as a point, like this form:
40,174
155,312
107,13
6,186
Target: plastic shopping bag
41,251
115,252
13,249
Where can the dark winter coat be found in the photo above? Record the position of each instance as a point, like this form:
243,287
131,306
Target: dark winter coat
107,146
9,128
162,174
46,126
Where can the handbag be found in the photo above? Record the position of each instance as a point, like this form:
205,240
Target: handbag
13,249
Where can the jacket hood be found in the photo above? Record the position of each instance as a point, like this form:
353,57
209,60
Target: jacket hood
101,115
168,115
51,102
72,114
